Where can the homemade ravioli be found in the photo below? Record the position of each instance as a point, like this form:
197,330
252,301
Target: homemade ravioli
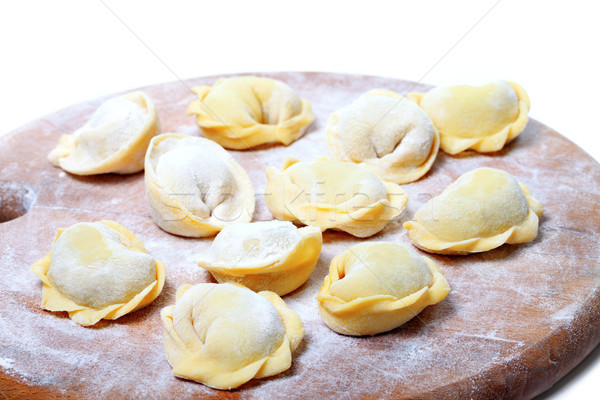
385,131
483,118
333,195
98,270
243,112
481,210
114,139
194,187
223,335
268,255
376,287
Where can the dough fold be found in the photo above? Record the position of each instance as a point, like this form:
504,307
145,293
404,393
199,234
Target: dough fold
483,118
386,132
87,272
268,255
483,209
194,186
223,335
114,139
375,287
333,195
243,112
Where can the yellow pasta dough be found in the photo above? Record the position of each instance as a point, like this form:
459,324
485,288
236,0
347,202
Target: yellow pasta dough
385,131
98,270
114,139
223,335
243,112
333,195
268,255
481,210
483,118
194,187
375,287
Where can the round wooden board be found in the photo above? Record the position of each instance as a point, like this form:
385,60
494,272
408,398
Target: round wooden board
518,317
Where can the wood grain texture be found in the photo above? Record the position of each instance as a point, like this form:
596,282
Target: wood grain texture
518,317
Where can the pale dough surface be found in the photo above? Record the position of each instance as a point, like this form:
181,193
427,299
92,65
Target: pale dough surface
225,335
233,326
264,255
470,112
483,118
333,195
481,203
243,112
93,268
374,269
336,183
194,186
200,179
481,210
114,139
386,132
374,287
259,242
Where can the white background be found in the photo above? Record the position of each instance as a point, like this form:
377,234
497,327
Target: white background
58,53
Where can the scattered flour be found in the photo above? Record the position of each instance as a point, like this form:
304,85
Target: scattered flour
7,363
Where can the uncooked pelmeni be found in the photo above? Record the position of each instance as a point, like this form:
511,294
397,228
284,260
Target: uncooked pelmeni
375,287
246,111
114,139
224,335
267,255
333,195
98,270
483,118
385,131
483,209
194,187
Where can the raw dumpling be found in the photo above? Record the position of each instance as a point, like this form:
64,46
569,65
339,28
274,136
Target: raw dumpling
376,287
223,335
268,255
194,186
243,112
480,211
98,270
333,195
115,138
385,131
482,118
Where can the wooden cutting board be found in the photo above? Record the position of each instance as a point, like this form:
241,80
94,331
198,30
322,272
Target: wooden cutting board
518,317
